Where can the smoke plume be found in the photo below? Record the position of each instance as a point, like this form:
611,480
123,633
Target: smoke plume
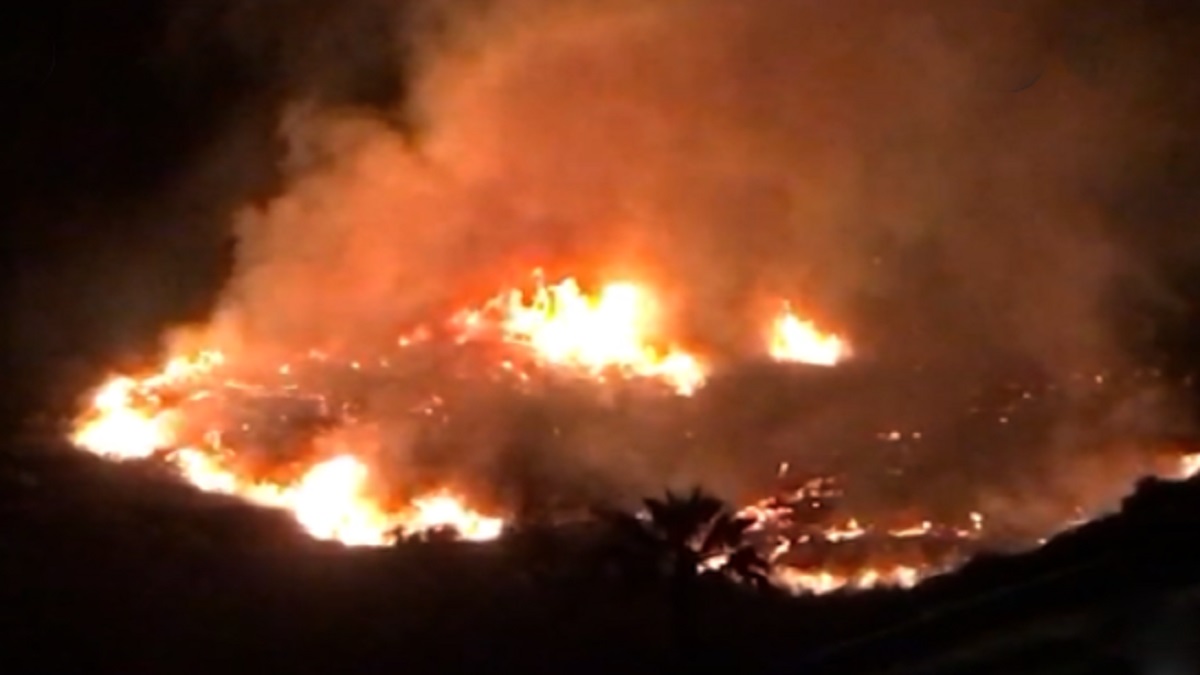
936,179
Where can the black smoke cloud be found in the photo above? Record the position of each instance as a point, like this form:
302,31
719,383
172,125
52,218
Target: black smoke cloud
948,183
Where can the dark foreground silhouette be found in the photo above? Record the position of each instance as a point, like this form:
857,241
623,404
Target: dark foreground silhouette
107,568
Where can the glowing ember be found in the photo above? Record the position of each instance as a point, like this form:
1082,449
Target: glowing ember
797,340
798,581
612,331
879,556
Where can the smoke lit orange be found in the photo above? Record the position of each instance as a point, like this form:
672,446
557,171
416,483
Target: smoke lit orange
334,493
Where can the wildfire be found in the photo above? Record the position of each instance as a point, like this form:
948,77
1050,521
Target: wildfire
830,555
800,341
328,501
1189,466
818,582
613,331
121,430
129,419
445,511
332,495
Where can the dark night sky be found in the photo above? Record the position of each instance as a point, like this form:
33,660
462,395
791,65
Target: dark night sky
96,123
115,189
121,119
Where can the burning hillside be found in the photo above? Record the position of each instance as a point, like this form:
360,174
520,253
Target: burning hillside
197,416
830,267
310,435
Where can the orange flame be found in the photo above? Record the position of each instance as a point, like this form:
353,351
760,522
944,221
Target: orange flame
1189,466
612,331
800,341
120,429
801,581
128,420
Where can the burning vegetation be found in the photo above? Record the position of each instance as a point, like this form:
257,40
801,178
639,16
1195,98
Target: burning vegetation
830,268
302,437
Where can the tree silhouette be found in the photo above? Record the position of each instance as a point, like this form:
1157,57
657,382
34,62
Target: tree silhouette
681,537
677,541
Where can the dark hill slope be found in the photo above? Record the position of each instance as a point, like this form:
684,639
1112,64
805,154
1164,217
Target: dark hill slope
107,568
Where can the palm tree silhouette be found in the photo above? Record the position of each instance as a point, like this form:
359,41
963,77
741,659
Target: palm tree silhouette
681,537
677,541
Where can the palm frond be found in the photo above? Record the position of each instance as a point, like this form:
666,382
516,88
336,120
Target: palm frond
747,565
726,532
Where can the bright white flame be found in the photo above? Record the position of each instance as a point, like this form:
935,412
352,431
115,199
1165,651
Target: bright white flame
120,429
797,340
613,330
443,510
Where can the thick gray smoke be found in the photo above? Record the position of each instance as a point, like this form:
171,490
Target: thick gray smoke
933,178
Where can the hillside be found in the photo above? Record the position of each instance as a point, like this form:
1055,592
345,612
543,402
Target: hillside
122,569
1107,595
